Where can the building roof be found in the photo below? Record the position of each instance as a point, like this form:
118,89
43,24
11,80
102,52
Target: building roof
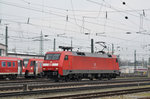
2,44
18,54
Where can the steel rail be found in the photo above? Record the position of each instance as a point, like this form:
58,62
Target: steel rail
101,94
32,86
83,88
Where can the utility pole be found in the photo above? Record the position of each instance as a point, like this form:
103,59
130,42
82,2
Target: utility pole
92,46
134,60
41,43
141,23
54,48
112,49
71,43
6,39
149,61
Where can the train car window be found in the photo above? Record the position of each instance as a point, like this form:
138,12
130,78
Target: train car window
13,64
25,62
3,64
9,64
52,56
66,57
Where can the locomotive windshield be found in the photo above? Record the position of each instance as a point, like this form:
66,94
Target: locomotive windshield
52,56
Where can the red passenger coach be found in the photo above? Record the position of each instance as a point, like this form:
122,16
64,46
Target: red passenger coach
10,67
66,65
32,67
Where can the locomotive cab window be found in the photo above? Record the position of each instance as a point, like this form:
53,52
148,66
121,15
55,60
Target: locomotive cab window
52,56
66,57
3,64
9,64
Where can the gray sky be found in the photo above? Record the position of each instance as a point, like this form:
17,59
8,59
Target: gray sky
72,19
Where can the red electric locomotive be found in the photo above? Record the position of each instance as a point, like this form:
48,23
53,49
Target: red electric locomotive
67,65
10,67
32,67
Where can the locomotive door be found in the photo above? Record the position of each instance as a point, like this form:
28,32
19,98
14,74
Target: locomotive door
20,67
66,65
35,68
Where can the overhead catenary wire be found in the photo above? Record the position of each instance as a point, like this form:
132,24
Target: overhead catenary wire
72,20
76,32
53,14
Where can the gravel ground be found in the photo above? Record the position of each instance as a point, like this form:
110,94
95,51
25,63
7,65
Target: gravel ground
143,95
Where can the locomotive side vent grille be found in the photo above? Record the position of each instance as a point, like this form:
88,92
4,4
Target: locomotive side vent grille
81,53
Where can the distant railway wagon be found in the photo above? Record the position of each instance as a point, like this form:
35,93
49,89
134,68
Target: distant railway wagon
32,67
67,65
10,67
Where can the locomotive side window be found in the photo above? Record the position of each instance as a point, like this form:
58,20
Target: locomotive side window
13,64
3,64
66,57
52,56
9,64
116,60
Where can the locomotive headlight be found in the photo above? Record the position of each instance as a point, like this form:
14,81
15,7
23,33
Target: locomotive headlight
55,64
56,68
45,64
43,68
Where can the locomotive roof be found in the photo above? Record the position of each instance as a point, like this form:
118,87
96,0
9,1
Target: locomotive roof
9,58
105,55
92,54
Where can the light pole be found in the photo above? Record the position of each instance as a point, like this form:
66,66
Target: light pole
6,39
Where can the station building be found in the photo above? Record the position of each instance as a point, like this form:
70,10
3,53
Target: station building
2,49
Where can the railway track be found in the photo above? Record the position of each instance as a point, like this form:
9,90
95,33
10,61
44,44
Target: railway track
30,81
70,86
101,94
48,84
44,80
17,81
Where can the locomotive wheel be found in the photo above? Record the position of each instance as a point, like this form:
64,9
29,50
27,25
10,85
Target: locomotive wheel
99,78
56,80
14,77
79,79
91,79
67,79
109,78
